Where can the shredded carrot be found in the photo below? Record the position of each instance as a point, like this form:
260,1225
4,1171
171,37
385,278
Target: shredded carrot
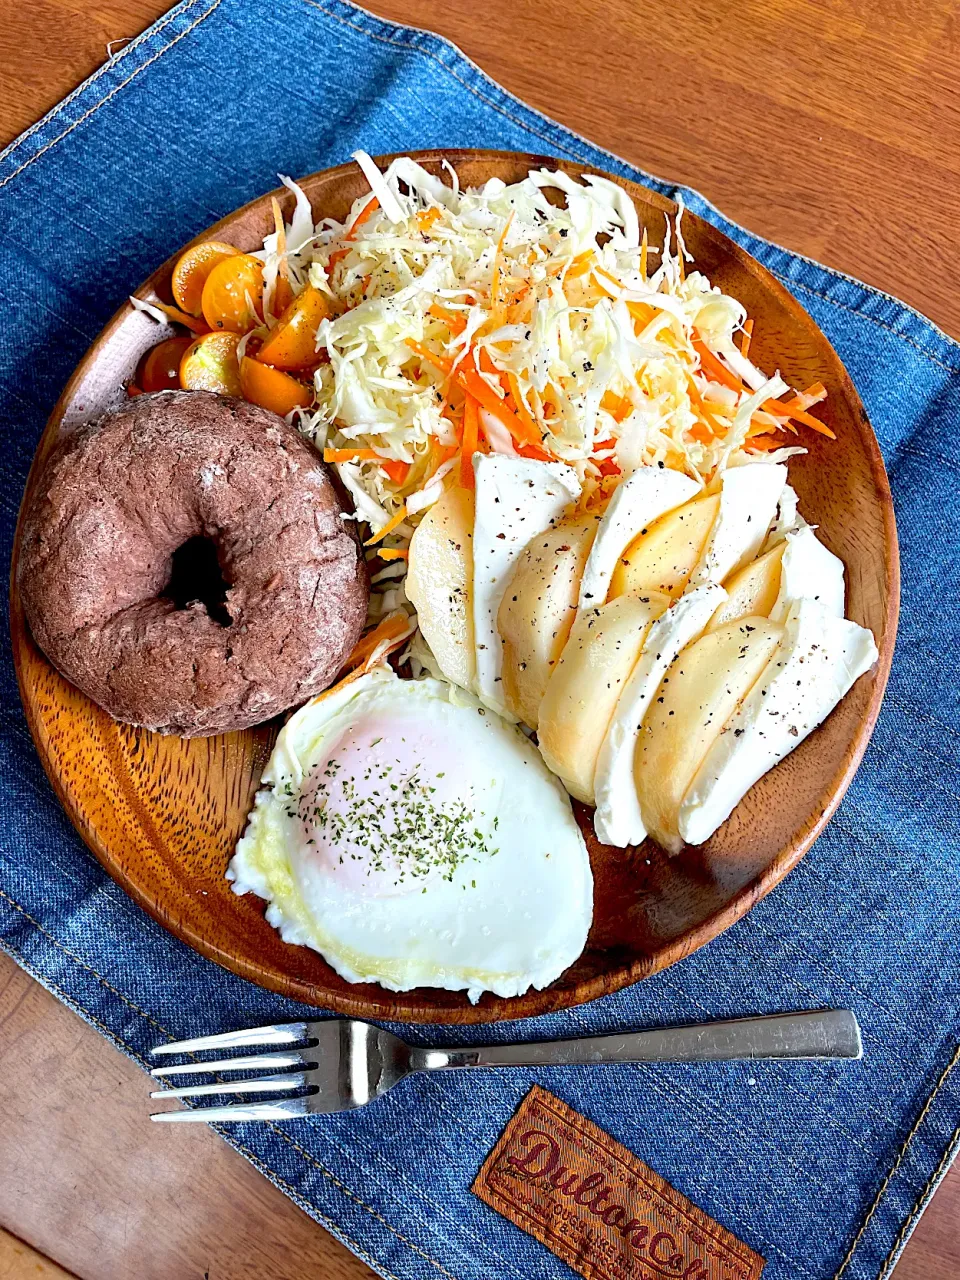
388,527
605,275
619,407
747,335
642,313
393,553
471,382
393,627
193,323
794,409
468,445
580,264
351,455
712,366
439,362
358,222
455,323
427,218
395,469
608,467
643,254
762,444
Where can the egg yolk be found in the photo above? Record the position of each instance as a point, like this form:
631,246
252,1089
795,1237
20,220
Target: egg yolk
390,806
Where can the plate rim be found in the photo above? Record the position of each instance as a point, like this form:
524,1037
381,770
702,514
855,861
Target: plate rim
552,998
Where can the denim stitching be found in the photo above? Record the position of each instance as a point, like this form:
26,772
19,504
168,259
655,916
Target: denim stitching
893,1256
101,102
896,1164
163,1030
91,80
301,1200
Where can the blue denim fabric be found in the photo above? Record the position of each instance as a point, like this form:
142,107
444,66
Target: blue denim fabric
822,1168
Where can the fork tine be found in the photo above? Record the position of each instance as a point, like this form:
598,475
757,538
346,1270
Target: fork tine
256,1062
278,1033
283,1109
264,1085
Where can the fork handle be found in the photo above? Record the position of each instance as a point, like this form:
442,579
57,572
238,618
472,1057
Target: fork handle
822,1033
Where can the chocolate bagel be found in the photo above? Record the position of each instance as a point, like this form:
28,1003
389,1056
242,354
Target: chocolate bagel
119,501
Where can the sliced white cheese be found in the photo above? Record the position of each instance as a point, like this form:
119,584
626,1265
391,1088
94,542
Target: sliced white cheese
808,571
648,494
516,498
617,820
748,503
815,665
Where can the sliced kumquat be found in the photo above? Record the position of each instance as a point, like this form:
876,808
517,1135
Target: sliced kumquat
210,364
233,294
292,342
159,369
272,388
193,267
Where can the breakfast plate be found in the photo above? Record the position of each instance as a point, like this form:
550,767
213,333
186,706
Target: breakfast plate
164,814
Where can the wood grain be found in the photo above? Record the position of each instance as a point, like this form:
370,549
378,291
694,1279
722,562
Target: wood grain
163,814
89,1182
19,1262
742,137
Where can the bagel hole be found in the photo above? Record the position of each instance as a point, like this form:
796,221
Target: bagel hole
196,578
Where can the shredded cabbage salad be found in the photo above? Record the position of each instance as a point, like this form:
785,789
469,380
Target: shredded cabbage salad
533,318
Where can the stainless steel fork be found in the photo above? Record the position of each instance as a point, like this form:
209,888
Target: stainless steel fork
337,1064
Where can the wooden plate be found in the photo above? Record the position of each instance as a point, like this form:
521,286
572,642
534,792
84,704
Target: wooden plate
163,814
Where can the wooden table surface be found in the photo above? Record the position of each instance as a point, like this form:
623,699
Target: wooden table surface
827,125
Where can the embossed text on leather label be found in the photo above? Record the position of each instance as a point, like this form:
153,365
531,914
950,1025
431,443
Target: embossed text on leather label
569,1184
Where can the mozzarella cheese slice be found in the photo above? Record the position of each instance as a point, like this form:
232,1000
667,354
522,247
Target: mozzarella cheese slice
648,494
815,665
617,820
748,503
788,520
808,571
516,498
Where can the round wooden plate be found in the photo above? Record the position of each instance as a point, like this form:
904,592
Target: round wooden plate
163,814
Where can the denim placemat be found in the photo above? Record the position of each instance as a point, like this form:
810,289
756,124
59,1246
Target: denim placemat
822,1168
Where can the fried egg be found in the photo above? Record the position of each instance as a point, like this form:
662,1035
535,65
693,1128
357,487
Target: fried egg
415,838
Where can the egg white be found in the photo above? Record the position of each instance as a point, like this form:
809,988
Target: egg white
499,921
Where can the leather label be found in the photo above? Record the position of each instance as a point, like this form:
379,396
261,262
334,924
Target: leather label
566,1182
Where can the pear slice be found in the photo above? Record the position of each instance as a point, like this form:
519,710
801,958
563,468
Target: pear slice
439,584
752,590
583,691
702,689
662,557
538,609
